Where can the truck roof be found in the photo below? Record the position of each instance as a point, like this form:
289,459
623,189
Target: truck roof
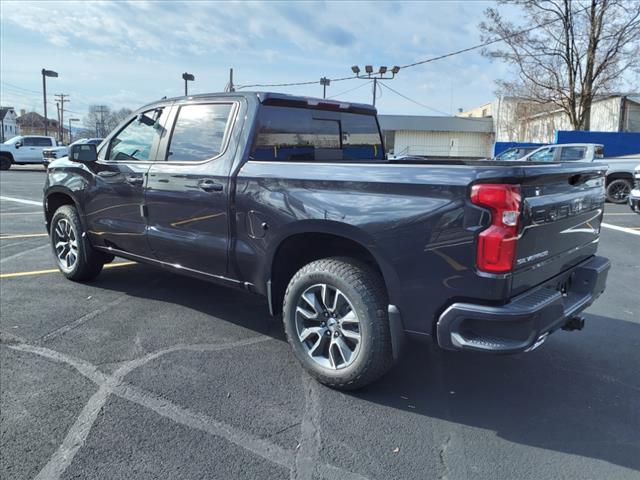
283,99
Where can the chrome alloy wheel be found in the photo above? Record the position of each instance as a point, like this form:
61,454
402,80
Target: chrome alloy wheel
328,326
65,244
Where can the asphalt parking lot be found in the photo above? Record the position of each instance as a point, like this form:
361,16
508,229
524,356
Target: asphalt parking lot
145,374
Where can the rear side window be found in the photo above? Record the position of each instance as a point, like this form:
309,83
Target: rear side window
199,132
308,135
42,142
572,154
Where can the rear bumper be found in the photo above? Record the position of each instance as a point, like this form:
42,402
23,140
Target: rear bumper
524,322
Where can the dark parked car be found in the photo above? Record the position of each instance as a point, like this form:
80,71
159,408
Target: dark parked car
292,198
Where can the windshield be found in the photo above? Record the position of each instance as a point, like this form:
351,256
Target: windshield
12,140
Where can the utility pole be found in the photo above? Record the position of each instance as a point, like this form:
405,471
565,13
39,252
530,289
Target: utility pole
58,108
324,81
46,73
379,75
60,97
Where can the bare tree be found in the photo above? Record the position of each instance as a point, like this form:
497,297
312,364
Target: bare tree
568,51
100,119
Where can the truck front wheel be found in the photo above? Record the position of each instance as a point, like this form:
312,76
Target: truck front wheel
336,321
76,258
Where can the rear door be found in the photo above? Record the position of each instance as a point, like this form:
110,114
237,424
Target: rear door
31,149
114,208
562,211
187,194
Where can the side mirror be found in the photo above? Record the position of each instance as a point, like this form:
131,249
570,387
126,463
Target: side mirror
18,144
84,152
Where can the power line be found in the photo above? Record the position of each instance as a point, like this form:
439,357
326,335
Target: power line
430,108
412,100
491,42
351,89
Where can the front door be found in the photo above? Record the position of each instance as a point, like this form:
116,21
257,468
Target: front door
114,209
187,195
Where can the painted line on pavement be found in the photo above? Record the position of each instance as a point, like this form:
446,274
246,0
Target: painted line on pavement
23,235
20,200
620,229
55,270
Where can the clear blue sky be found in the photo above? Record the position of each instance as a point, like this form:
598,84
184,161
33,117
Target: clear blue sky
126,54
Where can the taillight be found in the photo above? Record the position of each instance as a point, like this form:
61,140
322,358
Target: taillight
497,244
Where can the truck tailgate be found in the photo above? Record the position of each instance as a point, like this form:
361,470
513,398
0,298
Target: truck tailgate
562,207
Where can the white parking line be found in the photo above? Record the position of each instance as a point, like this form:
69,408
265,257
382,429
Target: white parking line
20,200
620,229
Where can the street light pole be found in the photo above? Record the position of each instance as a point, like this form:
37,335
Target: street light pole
187,77
46,73
379,75
324,81
70,136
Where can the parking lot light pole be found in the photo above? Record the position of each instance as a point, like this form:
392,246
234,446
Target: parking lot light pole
379,75
187,77
72,120
46,73
324,81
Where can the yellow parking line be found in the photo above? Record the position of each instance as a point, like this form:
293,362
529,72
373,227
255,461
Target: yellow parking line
55,270
25,235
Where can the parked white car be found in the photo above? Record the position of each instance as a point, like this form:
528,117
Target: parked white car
24,149
50,154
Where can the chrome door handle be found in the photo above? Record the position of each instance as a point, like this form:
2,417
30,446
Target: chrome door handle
209,185
133,180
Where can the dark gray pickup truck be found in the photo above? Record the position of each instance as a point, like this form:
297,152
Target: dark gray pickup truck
293,198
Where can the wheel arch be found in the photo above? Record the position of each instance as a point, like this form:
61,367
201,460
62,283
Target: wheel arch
311,240
617,175
57,197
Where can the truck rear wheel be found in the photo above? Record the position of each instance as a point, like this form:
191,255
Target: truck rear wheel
618,190
76,258
336,321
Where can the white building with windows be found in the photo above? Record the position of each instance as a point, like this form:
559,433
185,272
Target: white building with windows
437,137
8,125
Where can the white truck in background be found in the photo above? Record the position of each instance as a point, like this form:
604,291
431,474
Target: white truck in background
619,178
24,149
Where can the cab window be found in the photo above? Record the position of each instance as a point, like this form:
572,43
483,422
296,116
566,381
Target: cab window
136,141
544,155
199,132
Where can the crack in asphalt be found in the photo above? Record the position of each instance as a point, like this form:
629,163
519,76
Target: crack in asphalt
303,462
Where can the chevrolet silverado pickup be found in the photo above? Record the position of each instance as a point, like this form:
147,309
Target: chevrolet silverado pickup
293,198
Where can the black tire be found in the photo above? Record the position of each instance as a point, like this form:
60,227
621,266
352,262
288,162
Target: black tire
88,262
618,190
5,163
365,291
